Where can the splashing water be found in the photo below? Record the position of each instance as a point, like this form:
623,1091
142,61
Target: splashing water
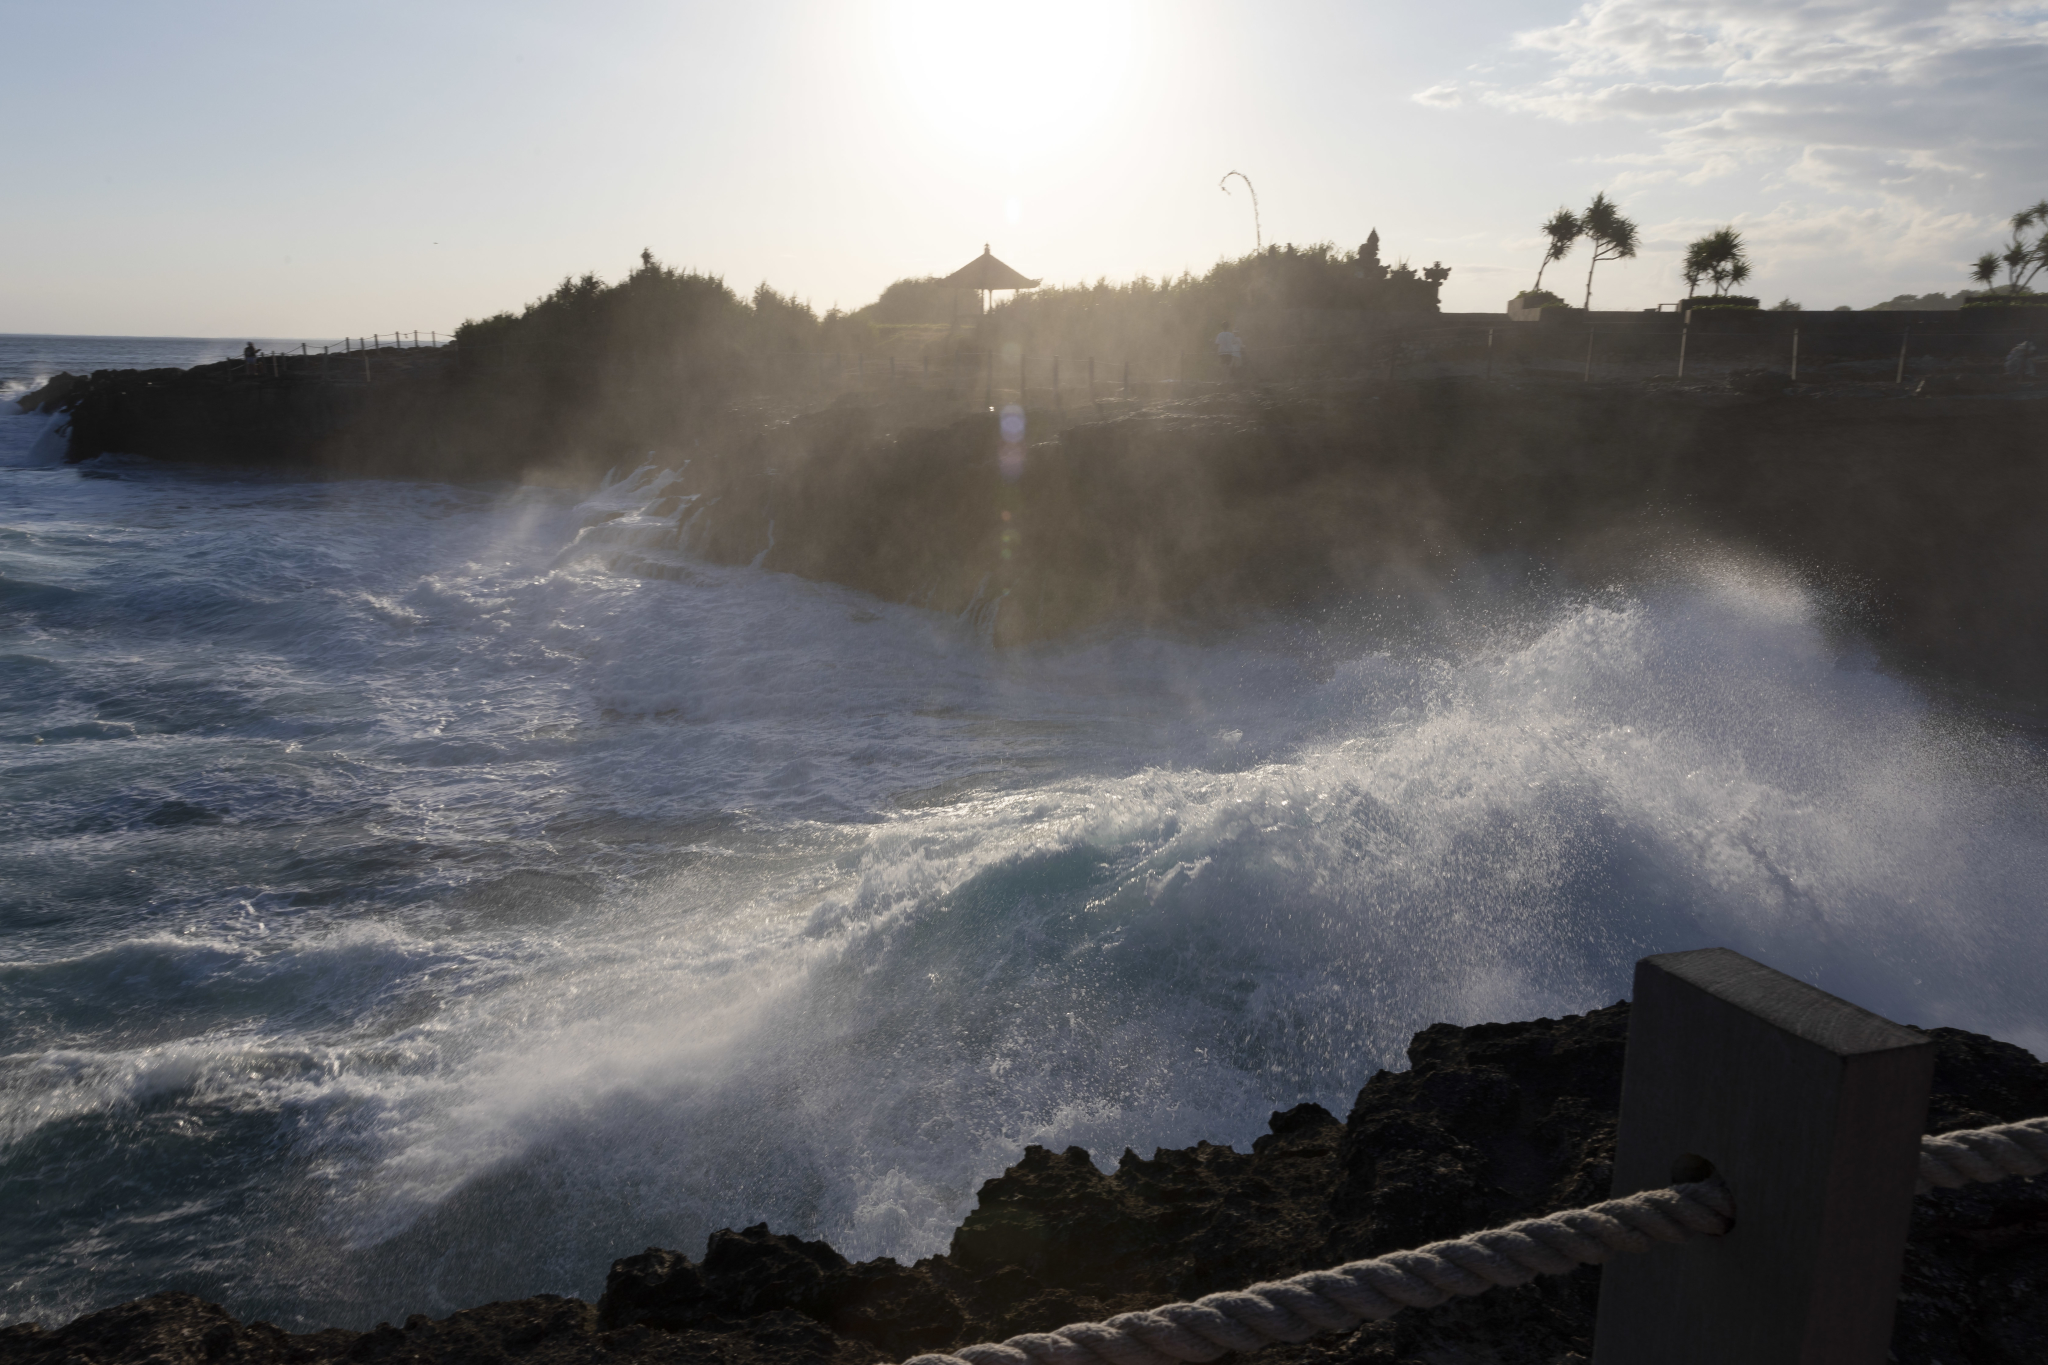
416,896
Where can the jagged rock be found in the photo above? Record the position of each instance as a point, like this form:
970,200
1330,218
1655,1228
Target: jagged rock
1489,1124
54,394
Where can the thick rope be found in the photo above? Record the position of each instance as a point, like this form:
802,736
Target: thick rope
1984,1154
1340,1299
1363,1291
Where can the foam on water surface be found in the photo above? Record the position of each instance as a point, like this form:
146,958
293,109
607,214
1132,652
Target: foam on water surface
417,896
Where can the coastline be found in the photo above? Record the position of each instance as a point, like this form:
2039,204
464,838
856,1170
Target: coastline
1491,1123
1912,509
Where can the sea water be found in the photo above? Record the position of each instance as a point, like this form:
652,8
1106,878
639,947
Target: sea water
403,905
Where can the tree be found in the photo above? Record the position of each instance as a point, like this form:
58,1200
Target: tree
1719,256
1614,237
1563,230
2021,258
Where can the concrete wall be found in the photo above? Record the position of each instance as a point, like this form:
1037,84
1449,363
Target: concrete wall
1715,339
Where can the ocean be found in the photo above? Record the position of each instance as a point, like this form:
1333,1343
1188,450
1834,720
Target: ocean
401,907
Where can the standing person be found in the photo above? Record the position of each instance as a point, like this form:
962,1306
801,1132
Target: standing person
2019,361
1229,351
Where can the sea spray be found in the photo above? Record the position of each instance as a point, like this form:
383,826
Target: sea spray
405,910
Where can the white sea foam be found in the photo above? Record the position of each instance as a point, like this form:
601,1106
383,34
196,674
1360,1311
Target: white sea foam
437,916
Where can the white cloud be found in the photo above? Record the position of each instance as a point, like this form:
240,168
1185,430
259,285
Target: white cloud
1892,137
1922,100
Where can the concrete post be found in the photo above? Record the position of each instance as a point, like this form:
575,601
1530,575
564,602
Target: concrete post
1811,1109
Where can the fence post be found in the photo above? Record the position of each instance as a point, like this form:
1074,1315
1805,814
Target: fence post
1900,378
1489,353
1684,331
1811,1109
1588,376
1795,353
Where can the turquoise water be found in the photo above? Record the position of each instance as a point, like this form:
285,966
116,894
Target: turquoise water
406,906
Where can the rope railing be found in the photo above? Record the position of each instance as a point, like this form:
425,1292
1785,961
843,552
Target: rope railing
1983,1155
1349,1295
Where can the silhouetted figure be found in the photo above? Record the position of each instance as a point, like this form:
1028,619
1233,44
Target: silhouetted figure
249,352
1229,351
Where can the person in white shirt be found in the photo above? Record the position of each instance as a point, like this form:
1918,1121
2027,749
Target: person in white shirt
1229,350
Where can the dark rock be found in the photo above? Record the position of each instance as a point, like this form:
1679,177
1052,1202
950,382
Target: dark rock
743,1274
173,1329
1489,1124
59,390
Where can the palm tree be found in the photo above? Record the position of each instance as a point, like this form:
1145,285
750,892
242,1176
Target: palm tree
2021,258
1563,229
1614,237
1719,256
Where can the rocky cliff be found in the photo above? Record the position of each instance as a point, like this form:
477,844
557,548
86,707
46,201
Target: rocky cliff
1918,509
1490,1124
1918,515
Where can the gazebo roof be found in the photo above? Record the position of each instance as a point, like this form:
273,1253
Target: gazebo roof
986,272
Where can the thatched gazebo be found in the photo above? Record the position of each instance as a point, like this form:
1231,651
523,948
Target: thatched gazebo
984,274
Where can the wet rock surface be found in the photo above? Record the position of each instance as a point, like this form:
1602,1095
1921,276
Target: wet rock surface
1491,1123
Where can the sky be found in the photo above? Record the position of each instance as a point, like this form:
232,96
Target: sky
206,169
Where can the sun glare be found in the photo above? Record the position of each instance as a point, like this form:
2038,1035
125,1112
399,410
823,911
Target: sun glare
1019,81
